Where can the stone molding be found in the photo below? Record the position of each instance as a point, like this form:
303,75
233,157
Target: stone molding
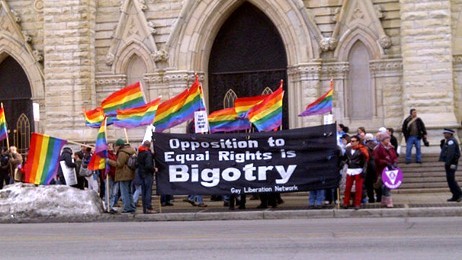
385,68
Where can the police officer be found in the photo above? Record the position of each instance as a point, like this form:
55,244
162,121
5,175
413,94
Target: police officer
450,154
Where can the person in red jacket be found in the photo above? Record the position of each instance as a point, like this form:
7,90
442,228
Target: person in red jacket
385,156
356,158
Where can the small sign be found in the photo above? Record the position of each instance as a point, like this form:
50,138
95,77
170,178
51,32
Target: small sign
328,119
392,178
201,122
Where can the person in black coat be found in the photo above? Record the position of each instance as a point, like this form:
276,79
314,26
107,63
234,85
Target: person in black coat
146,171
66,156
450,153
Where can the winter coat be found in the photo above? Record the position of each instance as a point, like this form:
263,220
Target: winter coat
122,171
66,156
384,156
450,151
145,161
420,128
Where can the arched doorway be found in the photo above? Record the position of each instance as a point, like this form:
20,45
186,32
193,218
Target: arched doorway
247,56
15,94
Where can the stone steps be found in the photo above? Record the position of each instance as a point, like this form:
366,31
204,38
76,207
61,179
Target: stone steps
426,177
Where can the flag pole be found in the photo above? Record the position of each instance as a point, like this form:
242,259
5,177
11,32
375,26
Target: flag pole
6,128
8,144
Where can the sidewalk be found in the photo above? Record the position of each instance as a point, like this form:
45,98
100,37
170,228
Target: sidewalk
295,206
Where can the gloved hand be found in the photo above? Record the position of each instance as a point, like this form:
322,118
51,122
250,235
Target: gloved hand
453,167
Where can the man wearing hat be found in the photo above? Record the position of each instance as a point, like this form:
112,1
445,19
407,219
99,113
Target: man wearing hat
450,154
123,174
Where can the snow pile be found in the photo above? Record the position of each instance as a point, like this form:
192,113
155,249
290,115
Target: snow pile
21,202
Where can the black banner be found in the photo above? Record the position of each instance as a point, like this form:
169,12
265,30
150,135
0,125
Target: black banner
284,161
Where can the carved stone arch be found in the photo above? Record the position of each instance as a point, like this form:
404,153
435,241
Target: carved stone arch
192,38
123,58
267,91
362,34
9,47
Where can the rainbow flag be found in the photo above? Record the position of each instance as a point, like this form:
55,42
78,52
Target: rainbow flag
43,159
180,108
321,105
3,128
93,118
137,116
98,159
267,115
244,104
128,97
227,120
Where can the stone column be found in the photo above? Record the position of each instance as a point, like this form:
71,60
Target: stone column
69,36
426,42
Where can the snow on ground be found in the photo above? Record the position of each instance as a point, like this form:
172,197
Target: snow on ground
21,202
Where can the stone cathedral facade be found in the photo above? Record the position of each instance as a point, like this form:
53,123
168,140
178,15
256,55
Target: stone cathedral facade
59,58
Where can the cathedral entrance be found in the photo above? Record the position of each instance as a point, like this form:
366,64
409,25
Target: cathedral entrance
247,59
15,95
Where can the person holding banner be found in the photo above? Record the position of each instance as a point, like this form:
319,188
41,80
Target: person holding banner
66,156
450,153
4,167
384,156
357,157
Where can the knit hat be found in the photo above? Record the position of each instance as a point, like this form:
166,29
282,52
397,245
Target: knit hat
382,136
119,142
382,130
448,131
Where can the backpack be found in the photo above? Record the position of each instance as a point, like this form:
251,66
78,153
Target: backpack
132,162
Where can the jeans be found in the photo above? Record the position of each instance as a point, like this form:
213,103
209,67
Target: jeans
137,193
196,198
146,195
316,197
127,196
413,140
114,188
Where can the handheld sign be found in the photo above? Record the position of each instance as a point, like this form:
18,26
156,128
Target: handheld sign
392,178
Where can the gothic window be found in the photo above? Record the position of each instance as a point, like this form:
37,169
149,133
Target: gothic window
229,99
266,91
359,87
22,134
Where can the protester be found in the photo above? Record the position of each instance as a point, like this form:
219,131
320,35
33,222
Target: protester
316,199
92,180
16,161
414,130
385,156
450,153
78,164
146,171
372,194
123,174
393,140
233,199
356,157
361,133
4,167
66,156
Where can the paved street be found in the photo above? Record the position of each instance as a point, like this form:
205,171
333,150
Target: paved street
345,238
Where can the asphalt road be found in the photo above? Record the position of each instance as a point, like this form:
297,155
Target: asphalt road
348,238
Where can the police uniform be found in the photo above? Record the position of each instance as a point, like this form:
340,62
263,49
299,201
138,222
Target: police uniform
450,153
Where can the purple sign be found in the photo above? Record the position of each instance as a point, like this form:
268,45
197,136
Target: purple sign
392,178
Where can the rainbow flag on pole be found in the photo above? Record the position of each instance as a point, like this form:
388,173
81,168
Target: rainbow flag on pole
137,116
321,105
43,159
3,128
267,115
244,104
98,159
180,108
128,97
227,120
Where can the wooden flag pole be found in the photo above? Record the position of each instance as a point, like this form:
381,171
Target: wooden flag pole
126,135
8,145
